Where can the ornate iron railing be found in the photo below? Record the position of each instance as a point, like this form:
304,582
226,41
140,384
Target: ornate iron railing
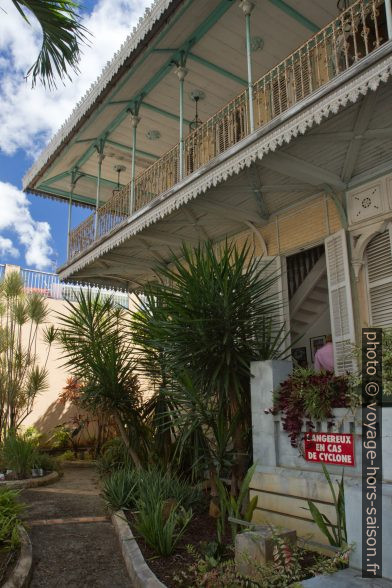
353,35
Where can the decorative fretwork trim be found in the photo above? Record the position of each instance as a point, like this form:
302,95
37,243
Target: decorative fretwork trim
237,158
151,15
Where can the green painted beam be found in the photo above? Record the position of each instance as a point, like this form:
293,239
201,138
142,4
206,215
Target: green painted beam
173,21
296,15
194,38
154,109
54,179
129,149
65,195
104,181
163,112
57,178
217,69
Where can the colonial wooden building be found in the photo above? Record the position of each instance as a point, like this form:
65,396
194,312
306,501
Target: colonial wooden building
267,120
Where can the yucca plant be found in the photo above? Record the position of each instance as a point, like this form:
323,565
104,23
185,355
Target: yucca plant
98,351
22,377
217,312
62,35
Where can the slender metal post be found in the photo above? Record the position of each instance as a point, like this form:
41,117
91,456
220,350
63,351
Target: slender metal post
247,7
101,157
181,72
70,216
134,121
388,11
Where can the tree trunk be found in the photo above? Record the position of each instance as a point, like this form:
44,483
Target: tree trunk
125,438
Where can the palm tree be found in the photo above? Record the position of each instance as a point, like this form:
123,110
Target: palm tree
62,34
98,352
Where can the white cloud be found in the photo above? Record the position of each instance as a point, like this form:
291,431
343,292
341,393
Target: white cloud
7,248
33,235
28,118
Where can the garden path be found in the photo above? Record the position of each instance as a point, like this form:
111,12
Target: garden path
74,543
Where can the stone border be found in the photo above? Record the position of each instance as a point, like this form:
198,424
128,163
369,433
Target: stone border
21,574
138,570
31,482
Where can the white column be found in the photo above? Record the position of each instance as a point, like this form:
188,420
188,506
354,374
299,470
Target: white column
181,72
134,122
388,12
247,7
101,157
70,216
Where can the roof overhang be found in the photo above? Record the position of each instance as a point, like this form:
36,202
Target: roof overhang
143,69
216,201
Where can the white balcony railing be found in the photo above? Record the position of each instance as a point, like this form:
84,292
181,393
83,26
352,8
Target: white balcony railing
49,285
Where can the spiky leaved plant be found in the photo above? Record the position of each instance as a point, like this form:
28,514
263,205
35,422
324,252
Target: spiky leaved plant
22,377
217,313
98,351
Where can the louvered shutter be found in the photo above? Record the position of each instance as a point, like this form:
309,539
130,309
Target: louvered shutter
277,266
379,278
340,302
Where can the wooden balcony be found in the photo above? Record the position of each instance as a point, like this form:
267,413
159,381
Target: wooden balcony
351,37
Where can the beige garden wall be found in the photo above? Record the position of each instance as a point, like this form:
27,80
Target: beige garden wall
48,411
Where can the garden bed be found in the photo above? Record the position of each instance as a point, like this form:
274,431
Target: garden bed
180,567
48,478
201,530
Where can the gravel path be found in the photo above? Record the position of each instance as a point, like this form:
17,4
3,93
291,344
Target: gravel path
74,543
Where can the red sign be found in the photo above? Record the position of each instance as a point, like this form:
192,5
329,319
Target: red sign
332,448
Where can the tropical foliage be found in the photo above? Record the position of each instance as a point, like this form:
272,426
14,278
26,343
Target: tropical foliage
309,396
22,378
62,35
200,324
10,511
335,533
98,352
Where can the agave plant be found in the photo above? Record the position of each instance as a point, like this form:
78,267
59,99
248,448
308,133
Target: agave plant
217,313
22,378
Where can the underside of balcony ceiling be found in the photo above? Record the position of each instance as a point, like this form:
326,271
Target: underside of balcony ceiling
346,150
211,33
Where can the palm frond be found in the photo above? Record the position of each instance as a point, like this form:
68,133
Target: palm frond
62,35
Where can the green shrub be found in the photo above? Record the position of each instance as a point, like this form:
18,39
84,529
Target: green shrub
10,510
124,488
67,456
45,462
19,455
120,489
114,456
33,435
160,534
155,485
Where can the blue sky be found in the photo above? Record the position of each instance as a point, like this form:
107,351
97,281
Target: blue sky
33,229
